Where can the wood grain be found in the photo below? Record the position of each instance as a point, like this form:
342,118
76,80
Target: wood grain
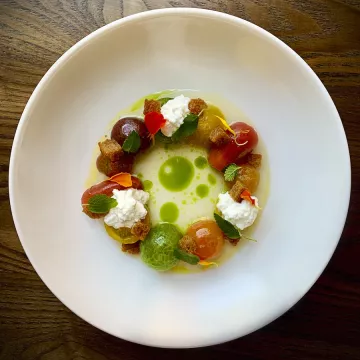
35,325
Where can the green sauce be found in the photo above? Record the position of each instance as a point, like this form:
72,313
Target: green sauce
147,185
200,162
211,179
202,190
169,212
176,173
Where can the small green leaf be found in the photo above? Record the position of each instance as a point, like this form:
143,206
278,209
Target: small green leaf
186,129
186,257
100,204
231,172
132,142
191,118
227,228
160,137
163,101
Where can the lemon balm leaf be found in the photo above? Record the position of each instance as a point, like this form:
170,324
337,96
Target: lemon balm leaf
231,172
186,257
227,228
164,100
100,204
187,128
132,142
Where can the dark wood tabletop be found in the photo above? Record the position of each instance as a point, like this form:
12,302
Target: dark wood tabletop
325,324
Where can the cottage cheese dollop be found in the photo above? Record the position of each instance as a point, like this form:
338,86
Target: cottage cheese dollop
174,112
129,210
241,215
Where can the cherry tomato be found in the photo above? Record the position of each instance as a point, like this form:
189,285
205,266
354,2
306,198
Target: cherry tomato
208,237
242,143
106,188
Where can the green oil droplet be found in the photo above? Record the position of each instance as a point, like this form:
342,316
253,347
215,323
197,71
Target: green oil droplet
184,202
211,179
202,191
140,176
198,177
201,162
176,173
147,185
169,212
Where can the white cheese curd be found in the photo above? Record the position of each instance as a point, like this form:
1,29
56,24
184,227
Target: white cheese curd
241,215
129,210
174,112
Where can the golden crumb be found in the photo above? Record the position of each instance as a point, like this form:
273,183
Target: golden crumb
196,106
218,136
236,190
188,244
110,149
254,160
131,248
140,229
151,106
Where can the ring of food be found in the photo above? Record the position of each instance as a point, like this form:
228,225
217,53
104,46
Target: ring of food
121,200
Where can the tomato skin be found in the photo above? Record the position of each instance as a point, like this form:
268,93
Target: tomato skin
245,141
208,237
105,187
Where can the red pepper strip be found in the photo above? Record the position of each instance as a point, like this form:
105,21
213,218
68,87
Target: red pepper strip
246,195
154,121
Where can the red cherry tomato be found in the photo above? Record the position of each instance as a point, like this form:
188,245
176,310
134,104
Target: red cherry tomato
208,237
105,187
242,143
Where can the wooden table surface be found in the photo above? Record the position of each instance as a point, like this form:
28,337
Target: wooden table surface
325,324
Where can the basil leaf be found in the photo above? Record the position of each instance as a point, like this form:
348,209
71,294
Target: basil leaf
186,257
186,129
160,137
163,101
101,203
227,228
191,118
132,142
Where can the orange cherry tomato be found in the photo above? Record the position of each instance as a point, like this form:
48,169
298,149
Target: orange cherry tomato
208,237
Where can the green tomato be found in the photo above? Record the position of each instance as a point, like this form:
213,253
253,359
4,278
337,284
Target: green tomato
157,250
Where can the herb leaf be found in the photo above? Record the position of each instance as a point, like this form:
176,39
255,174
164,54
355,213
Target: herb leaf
160,137
164,100
101,203
231,172
132,142
187,128
227,228
186,257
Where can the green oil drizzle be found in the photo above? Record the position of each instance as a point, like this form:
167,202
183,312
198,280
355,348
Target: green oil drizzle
201,162
169,212
202,191
211,179
147,185
176,173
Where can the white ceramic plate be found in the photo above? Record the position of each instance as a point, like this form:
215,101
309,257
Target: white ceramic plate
180,48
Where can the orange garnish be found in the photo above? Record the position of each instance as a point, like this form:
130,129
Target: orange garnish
246,195
206,263
123,179
226,125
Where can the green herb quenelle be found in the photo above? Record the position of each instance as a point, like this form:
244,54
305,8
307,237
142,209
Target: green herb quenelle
194,199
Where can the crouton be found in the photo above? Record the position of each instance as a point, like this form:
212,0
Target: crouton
196,106
111,168
131,248
188,244
140,229
218,136
110,149
236,190
254,160
151,106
